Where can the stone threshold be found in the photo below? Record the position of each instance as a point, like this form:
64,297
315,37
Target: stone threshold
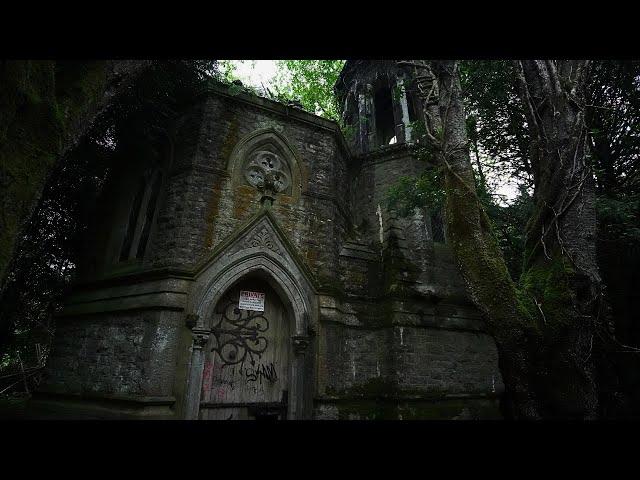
407,397
124,399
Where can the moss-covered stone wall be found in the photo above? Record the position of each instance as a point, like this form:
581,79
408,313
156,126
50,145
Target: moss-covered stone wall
394,325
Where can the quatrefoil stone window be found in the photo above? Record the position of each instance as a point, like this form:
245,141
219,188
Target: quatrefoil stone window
266,169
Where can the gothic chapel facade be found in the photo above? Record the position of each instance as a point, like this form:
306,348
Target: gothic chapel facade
249,267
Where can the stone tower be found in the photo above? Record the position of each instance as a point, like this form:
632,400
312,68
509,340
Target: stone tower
363,312
380,105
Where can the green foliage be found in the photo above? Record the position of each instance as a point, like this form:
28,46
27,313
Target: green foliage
619,218
418,129
44,263
496,124
226,70
311,83
349,132
613,103
424,191
509,223
545,291
32,129
497,130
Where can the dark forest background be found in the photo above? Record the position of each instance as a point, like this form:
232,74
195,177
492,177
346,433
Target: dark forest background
40,265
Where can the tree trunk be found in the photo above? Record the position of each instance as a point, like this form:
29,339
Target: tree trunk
45,109
543,326
560,270
476,249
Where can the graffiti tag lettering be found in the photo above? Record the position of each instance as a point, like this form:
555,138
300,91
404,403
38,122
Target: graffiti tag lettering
268,372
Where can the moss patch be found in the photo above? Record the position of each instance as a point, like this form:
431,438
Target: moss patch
546,292
39,102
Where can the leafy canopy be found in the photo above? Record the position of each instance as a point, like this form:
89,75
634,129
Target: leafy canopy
311,83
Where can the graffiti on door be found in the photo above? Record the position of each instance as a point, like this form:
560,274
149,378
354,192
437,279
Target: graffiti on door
239,335
248,364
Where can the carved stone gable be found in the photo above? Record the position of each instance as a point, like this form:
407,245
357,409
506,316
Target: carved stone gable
262,238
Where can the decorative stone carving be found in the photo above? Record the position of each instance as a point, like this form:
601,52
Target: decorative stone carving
191,320
300,343
266,171
262,239
200,339
266,160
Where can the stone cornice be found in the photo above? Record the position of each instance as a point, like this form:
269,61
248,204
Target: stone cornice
294,113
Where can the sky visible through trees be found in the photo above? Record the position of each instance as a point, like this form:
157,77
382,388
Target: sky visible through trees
516,126
269,74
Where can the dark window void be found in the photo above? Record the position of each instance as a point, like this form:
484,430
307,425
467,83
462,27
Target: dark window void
350,111
411,106
151,209
385,125
141,217
133,220
437,227
348,118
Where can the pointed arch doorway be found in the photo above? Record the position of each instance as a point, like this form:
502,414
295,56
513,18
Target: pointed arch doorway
259,255
248,365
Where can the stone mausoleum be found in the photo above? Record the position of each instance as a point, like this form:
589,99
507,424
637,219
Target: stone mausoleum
347,310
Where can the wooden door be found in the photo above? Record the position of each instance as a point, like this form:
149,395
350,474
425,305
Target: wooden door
246,374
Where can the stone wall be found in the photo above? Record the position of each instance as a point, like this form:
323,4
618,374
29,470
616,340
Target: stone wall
408,361
392,321
411,236
124,353
204,206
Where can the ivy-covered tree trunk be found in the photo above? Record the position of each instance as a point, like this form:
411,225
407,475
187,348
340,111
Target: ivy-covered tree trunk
542,326
45,108
560,267
473,242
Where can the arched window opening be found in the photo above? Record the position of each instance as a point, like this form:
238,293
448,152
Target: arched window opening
437,227
141,217
385,124
411,107
151,208
350,111
133,221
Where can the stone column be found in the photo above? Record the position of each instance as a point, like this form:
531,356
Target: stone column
404,107
196,367
362,124
396,101
300,344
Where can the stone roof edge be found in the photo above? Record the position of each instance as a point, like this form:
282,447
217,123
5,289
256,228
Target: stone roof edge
222,89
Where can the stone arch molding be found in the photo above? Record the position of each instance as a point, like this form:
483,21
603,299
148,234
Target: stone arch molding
262,153
257,248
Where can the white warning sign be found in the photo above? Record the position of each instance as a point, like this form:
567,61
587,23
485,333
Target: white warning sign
251,301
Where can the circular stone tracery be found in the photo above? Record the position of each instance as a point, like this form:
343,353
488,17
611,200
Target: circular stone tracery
266,169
